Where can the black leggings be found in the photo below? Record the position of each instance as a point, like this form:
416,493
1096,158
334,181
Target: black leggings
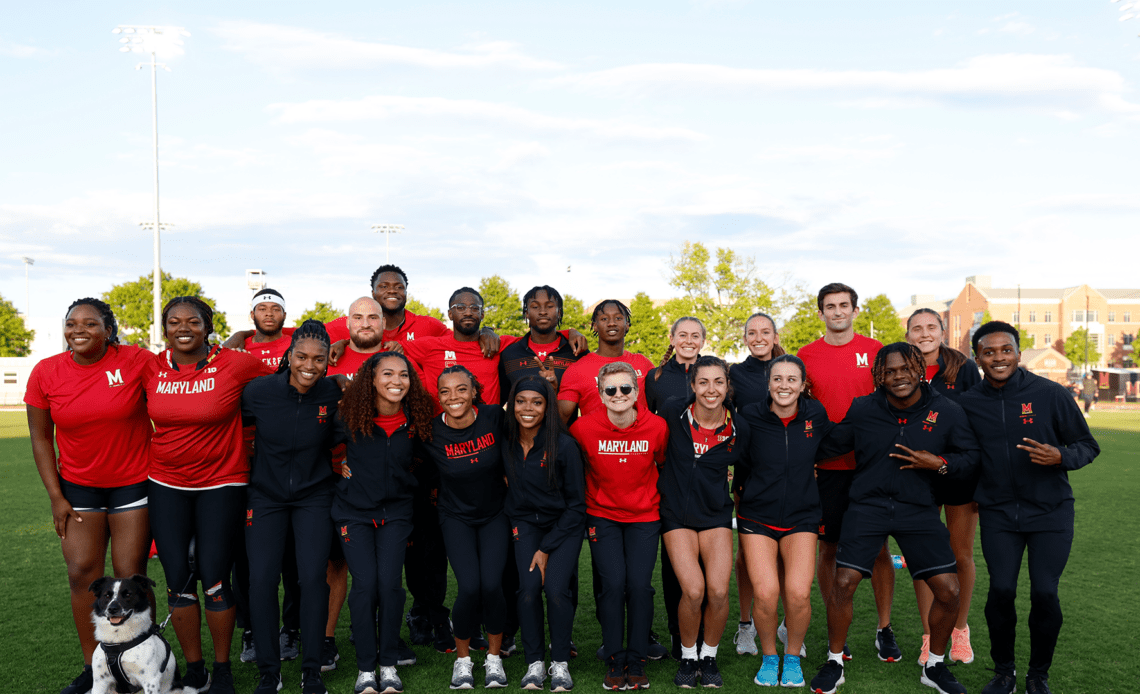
213,516
425,564
624,554
559,605
477,555
1048,554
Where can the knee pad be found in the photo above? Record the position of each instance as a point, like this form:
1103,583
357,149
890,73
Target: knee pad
187,599
219,597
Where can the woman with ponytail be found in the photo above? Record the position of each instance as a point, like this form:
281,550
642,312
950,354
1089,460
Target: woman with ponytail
291,486
670,379
951,373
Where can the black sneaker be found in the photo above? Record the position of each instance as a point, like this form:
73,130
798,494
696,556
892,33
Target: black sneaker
479,642
311,682
573,649
223,679
655,651
444,641
635,674
248,650
329,654
81,684
1001,684
847,652
508,647
269,684
600,654
1036,685
404,654
288,639
688,673
197,676
419,629
710,675
938,677
828,679
889,651
615,675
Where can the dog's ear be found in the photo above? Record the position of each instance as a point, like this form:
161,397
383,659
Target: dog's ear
97,586
144,582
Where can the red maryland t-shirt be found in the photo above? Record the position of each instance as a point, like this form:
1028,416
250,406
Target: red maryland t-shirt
350,362
580,382
414,326
621,465
434,354
271,352
197,440
839,375
99,410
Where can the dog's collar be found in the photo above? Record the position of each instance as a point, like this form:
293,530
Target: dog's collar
114,652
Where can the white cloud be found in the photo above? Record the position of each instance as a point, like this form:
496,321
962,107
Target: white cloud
382,107
279,47
16,50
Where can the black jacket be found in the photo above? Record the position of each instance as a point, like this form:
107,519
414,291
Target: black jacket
694,491
561,508
382,481
293,438
1014,493
777,473
872,427
966,379
518,359
674,383
469,465
749,381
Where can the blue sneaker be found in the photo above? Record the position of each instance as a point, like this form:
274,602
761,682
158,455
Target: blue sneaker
793,675
769,674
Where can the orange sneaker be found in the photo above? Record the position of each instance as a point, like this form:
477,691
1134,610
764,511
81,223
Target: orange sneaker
924,654
960,649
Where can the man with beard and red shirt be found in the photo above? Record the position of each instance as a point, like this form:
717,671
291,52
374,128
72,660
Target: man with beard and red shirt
364,337
390,290
269,340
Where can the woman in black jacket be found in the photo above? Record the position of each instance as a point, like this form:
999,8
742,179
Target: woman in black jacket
546,504
291,485
705,439
383,417
779,512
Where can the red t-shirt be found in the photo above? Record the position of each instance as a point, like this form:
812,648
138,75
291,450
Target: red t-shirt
839,375
197,440
350,362
931,372
434,354
580,381
390,423
99,410
271,352
413,326
621,465
704,439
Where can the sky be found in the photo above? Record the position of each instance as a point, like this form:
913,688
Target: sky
898,147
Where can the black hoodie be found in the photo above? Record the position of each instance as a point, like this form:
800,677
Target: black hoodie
749,381
469,464
530,498
673,383
382,481
966,379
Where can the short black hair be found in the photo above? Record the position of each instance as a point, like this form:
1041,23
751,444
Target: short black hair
205,312
268,290
311,329
836,288
464,290
387,268
550,292
996,326
105,313
620,306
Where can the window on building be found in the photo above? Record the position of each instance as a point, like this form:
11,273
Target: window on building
958,322
1112,316
1048,340
1127,316
1094,340
1048,316
9,378
1111,341
1032,316
1078,316
1016,317
978,317
1091,316
1032,341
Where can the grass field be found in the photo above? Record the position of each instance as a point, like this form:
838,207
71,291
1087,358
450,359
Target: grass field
1099,648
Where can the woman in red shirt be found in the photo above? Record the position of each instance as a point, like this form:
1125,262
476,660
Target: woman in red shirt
90,400
199,471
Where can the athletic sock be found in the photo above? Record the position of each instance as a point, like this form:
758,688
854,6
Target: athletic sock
746,624
708,651
933,660
494,658
467,659
837,657
689,652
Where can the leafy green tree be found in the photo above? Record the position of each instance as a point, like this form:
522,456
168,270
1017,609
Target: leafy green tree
421,309
15,337
880,313
323,311
502,307
131,304
575,315
1075,348
803,327
649,331
1024,342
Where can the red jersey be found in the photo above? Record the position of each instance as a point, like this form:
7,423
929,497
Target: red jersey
350,362
271,352
413,326
580,382
196,411
621,465
434,354
839,375
99,410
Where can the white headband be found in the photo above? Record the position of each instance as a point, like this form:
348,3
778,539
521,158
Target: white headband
264,297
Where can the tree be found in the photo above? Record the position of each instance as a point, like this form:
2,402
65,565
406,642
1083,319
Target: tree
1024,342
131,303
879,312
15,337
803,327
322,311
1075,348
502,307
648,331
421,309
575,315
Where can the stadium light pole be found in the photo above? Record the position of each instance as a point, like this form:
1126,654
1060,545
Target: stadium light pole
28,262
387,230
152,39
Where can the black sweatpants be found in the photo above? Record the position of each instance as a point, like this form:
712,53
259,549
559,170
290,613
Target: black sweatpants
477,555
559,605
267,527
290,602
213,516
375,552
426,563
1048,554
624,554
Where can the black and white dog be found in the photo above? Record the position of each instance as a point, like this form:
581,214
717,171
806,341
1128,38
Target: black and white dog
132,655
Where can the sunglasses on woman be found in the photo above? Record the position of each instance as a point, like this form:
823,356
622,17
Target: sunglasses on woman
611,391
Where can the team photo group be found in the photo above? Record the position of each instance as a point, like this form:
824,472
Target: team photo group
384,450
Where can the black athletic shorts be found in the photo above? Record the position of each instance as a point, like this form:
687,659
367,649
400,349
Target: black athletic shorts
106,499
923,539
951,492
667,525
834,496
747,526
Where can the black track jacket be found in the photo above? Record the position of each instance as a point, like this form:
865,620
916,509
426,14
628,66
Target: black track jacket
518,359
749,381
674,383
530,497
382,482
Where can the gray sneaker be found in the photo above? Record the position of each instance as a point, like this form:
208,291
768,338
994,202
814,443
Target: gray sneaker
288,640
366,683
248,651
560,677
461,677
390,682
495,676
745,639
535,676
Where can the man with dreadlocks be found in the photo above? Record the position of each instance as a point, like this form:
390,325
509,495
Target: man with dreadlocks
906,420
544,352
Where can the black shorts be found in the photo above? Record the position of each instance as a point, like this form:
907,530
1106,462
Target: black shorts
747,526
834,497
668,524
951,492
922,538
106,499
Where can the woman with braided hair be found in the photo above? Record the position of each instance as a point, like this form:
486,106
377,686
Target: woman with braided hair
951,373
670,379
91,402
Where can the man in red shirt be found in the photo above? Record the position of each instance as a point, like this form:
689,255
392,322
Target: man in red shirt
839,368
269,341
364,336
390,290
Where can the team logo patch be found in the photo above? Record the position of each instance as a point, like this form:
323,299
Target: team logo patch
344,533
1026,413
861,360
249,518
114,380
807,429
323,411
215,593
932,417
592,534
515,533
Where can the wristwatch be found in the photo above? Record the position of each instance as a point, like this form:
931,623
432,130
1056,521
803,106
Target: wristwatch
944,469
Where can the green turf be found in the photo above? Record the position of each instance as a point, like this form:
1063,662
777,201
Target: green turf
1099,648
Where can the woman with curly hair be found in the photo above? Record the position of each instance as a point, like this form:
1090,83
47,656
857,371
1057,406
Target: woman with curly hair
383,416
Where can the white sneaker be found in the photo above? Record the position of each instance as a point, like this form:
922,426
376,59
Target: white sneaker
535,676
560,677
366,683
782,634
461,677
745,639
495,676
390,682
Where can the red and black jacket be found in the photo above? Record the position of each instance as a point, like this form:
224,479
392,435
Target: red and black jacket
517,360
382,481
966,379
560,508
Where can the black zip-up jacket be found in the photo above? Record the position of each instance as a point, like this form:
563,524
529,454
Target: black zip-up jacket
562,508
674,383
518,359
872,427
749,381
1014,493
382,481
694,491
777,473
966,379
293,438
469,464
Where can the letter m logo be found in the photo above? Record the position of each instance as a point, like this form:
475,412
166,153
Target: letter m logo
861,359
449,355
114,379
